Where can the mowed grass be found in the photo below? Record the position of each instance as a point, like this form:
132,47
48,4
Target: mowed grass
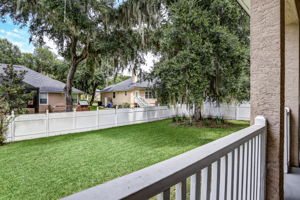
54,167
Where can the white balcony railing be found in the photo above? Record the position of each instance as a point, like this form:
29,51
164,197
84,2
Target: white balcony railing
232,167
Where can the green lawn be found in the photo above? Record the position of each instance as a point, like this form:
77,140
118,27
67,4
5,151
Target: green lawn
54,167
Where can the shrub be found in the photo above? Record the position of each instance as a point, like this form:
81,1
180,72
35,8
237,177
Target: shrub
219,121
4,121
176,119
125,105
206,122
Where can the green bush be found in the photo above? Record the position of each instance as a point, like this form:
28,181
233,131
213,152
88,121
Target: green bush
219,121
125,105
4,121
206,122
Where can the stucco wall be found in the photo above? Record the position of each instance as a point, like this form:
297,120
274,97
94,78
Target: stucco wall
267,84
121,98
57,102
292,88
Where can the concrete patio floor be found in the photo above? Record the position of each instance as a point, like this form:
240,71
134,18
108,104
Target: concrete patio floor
292,185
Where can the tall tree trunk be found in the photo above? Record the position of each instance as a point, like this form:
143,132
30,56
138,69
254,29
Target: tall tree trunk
198,114
75,60
93,94
69,85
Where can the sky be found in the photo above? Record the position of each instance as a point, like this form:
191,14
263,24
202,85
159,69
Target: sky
16,35
20,37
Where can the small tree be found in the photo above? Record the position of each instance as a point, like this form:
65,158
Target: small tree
13,97
13,91
4,121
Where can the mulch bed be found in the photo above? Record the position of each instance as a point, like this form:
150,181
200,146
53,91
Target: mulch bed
209,123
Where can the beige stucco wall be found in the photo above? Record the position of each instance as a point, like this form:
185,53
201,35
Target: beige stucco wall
121,98
267,84
292,86
57,102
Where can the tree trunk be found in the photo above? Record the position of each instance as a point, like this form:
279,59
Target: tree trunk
198,114
69,85
75,60
93,94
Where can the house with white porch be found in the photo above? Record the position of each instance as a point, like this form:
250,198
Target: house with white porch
133,92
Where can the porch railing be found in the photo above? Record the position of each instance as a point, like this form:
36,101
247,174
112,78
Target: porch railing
287,141
232,167
141,101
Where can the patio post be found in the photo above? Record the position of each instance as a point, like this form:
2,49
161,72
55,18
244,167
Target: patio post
267,84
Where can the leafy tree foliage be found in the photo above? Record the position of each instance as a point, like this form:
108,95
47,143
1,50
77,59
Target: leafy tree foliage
116,79
13,97
4,121
204,50
92,74
82,28
13,91
9,53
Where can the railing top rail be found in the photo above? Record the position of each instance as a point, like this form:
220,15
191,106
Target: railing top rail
152,180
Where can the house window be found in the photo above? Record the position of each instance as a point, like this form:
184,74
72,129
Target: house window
125,93
114,95
149,94
43,98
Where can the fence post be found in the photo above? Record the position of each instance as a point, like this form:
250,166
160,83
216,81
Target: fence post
116,116
236,112
97,118
134,115
13,126
47,122
74,118
147,114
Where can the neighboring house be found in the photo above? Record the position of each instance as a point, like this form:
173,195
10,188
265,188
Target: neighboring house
98,95
131,91
50,92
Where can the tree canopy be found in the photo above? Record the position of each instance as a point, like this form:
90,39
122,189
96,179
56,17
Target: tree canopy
85,28
13,91
204,51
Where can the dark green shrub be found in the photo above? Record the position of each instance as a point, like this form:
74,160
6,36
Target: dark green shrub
219,121
125,105
206,122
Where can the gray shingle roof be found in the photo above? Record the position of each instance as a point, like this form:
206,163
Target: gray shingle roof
38,80
127,85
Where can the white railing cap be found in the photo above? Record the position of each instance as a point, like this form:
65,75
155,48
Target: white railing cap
260,120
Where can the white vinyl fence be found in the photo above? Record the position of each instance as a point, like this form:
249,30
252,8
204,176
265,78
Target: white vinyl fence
50,124
231,111
32,126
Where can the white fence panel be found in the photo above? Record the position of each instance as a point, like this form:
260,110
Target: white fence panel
232,111
60,123
243,112
50,124
86,120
